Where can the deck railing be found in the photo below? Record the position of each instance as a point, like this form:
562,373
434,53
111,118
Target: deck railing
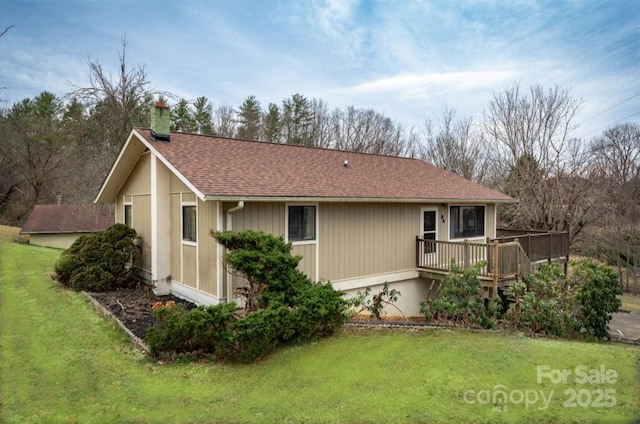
502,260
538,245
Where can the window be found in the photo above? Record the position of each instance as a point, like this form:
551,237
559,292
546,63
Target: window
127,215
467,221
302,223
189,223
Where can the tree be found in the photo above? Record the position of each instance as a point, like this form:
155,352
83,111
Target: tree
202,116
297,120
224,122
249,116
116,105
455,146
615,156
534,127
182,117
272,124
36,155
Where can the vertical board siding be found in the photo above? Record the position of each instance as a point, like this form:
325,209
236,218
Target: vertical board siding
176,185
207,247
189,277
308,262
259,216
176,237
139,181
137,190
366,239
140,220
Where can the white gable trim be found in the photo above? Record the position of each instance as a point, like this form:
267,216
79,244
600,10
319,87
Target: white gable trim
155,153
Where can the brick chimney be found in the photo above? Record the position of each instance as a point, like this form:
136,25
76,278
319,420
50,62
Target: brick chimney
160,121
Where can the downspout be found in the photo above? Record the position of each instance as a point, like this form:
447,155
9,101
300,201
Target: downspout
236,208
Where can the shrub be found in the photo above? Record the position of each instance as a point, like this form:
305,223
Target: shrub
98,262
543,303
599,288
374,304
460,300
267,264
292,308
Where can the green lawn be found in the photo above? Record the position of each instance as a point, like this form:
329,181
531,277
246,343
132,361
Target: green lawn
61,362
630,303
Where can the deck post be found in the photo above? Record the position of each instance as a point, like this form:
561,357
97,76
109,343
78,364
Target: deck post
496,250
466,255
417,251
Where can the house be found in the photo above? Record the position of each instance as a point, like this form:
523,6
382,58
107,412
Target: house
60,225
355,218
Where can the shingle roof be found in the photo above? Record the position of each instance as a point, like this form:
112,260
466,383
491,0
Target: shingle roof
52,219
223,167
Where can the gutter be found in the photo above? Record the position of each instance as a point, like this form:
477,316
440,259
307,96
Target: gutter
229,226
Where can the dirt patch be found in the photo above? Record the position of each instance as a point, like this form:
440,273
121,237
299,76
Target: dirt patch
133,308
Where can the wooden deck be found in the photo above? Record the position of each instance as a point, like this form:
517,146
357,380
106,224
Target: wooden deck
507,258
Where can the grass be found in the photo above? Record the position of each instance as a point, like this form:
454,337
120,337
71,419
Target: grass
630,303
11,233
61,362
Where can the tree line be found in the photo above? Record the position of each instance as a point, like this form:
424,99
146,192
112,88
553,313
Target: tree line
522,144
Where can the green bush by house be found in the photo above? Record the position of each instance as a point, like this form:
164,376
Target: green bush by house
99,262
281,306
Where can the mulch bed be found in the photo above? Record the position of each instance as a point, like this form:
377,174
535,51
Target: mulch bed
133,308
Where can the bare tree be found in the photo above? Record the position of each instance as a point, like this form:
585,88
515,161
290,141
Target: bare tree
224,121
544,168
118,104
367,131
455,146
615,156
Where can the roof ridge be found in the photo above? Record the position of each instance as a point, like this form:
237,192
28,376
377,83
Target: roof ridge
286,144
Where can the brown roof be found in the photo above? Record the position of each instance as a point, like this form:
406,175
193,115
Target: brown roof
228,168
52,219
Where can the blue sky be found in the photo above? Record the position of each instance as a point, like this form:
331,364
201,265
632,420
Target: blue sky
408,59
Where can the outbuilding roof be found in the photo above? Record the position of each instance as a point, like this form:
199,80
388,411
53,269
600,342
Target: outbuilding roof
55,219
225,168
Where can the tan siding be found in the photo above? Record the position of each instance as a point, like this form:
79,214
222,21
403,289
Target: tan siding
490,227
308,262
188,197
189,255
176,237
139,181
207,246
141,221
59,241
137,190
267,217
177,186
259,216
366,239
119,210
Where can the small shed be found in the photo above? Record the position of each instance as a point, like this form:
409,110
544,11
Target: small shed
60,225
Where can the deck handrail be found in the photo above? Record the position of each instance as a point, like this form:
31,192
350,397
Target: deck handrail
539,246
502,260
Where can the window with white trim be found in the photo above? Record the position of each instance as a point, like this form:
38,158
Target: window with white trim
189,223
127,214
302,223
466,221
